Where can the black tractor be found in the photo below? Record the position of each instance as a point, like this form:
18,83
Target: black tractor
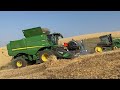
77,47
107,43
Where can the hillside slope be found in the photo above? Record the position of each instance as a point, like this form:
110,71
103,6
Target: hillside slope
93,66
4,57
104,65
88,36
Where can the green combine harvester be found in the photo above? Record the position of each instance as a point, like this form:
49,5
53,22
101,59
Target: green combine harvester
36,47
107,43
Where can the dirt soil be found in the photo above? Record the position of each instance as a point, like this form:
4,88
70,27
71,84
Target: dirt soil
93,66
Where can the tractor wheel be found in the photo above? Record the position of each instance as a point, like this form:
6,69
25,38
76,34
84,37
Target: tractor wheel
115,47
98,49
19,63
46,56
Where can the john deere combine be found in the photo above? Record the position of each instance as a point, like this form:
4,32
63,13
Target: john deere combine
36,47
107,43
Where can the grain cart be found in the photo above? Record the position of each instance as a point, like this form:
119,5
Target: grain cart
107,43
36,47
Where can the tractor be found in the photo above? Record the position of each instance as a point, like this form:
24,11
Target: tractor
107,43
37,46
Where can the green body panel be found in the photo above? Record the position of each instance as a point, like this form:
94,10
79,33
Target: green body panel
28,45
35,32
116,42
67,55
35,39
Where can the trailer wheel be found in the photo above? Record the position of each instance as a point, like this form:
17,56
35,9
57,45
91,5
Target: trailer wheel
98,49
19,63
46,56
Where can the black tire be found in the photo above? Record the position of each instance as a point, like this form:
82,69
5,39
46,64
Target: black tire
19,60
44,55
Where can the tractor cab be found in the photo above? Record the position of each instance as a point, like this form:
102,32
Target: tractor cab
54,37
77,47
105,44
105,40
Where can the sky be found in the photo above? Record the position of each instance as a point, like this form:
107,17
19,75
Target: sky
68,23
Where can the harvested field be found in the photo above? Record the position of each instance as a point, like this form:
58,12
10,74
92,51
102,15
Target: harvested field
4,57
93,66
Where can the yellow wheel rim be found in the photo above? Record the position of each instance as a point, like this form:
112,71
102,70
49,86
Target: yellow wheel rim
45,57
19,64
98,49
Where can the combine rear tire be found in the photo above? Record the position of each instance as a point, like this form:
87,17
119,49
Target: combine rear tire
19,63
46,56
98,49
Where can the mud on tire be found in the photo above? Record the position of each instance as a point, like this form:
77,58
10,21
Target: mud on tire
46,56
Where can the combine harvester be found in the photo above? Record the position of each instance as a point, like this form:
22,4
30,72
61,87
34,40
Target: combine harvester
107,43
36,47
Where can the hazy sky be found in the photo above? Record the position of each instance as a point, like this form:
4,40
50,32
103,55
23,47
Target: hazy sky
69,23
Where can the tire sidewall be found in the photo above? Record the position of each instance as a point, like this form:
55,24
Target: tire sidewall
42,52
14,62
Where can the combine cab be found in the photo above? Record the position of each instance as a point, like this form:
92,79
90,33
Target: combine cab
107,43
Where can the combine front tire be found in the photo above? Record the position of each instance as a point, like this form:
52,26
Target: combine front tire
98,49
19,63
46,56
